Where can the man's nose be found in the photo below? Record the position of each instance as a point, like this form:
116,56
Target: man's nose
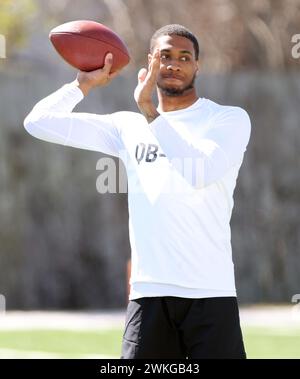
173,65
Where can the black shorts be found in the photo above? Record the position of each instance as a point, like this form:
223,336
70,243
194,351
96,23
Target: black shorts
179,328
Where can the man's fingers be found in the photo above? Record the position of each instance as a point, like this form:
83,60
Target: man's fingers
154,66
155,63
142,75
108,61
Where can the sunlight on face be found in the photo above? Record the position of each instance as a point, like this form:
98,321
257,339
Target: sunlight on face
178,68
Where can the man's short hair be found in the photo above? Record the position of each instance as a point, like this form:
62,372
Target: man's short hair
175,29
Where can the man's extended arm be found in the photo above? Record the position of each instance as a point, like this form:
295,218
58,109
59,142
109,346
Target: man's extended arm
52,118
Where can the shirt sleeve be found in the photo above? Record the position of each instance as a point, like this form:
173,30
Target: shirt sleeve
204,161
52,120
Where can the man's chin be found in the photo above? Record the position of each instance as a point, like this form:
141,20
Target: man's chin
174,91
171,91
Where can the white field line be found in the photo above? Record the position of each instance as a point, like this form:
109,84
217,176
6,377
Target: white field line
286,317
17,320
28,354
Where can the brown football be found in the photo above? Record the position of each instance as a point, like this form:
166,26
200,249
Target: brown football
84,45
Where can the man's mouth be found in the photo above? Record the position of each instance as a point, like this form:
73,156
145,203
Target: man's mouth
174,77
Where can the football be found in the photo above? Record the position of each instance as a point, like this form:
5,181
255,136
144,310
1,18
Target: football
84,45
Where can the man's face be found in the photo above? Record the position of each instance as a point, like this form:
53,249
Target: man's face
178,66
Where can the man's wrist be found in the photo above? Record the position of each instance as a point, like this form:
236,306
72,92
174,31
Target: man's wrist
149,111
84,87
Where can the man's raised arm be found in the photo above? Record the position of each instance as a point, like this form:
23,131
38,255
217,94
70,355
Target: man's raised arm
52,118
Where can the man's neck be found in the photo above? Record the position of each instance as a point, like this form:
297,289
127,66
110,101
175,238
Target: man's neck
174,103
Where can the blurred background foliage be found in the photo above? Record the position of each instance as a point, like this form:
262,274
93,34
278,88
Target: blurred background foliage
233,34
15,18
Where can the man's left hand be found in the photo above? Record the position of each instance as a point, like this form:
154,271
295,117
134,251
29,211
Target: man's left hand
147,80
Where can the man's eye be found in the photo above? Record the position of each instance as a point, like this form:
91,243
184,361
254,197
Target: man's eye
166,57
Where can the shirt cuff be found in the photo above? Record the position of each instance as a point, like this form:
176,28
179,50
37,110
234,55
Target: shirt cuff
74,91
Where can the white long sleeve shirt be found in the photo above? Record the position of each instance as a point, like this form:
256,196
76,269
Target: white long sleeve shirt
182,170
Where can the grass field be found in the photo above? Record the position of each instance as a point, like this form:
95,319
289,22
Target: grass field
259,342
262,342
64,344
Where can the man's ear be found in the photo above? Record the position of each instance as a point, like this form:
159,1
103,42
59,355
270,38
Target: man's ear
198,68
149,58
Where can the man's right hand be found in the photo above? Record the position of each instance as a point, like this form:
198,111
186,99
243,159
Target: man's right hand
101,77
